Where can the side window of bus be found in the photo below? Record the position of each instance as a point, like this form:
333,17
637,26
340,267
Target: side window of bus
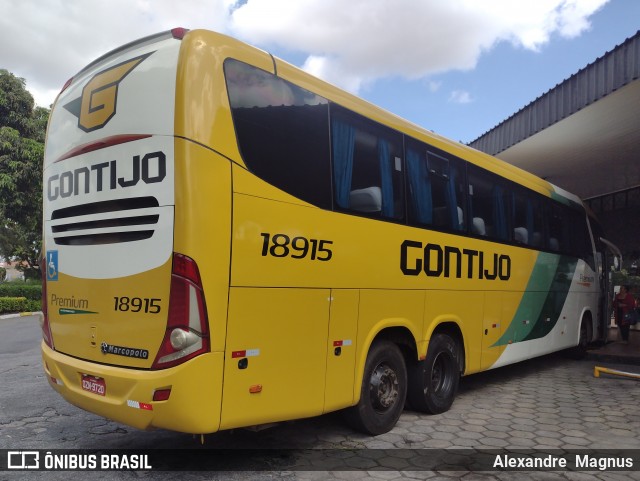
436,188
527,219
367,166
568,232
490,205
282,132
580,238
558,226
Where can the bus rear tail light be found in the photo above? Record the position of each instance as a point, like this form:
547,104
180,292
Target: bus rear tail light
187,332
179,32
44,323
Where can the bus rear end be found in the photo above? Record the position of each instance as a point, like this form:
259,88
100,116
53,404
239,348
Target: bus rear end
126,333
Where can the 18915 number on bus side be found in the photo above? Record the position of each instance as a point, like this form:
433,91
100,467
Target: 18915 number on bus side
281,245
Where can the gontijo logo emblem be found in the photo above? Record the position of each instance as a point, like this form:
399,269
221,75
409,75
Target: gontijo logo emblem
97,105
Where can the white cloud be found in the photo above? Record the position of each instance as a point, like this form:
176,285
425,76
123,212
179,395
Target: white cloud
460,97
434,85
355,42
327,68
48,41
351,43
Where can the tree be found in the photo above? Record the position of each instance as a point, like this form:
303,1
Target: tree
16,104
22,132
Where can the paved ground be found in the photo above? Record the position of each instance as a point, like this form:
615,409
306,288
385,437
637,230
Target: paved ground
616,351
551,405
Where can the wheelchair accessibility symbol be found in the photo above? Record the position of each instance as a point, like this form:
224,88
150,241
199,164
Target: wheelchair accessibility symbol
52,265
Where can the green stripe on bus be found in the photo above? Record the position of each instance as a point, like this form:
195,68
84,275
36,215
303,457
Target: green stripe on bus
566,201
543,300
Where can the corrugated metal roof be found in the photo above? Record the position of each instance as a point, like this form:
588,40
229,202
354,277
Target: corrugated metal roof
613,70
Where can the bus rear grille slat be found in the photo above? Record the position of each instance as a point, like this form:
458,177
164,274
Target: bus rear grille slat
108,222
105,206
108,238
97,224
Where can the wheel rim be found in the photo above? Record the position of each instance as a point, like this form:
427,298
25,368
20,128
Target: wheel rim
383,387
441,378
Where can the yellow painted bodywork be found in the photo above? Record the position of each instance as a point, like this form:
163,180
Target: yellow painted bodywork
203,214
287,330
369,293
189,382
197,382
276,322
81,334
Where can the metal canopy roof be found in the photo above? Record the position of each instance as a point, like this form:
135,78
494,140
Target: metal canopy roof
584,134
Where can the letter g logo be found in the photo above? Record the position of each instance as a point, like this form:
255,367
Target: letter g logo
99,96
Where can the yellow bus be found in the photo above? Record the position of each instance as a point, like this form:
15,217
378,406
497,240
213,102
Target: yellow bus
231,242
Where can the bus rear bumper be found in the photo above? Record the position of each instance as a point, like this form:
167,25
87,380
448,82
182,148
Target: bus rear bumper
126,395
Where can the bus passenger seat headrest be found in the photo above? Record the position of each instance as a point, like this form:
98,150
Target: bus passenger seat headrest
368,199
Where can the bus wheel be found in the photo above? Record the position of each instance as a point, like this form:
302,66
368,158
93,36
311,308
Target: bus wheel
433,383
383,392
580,351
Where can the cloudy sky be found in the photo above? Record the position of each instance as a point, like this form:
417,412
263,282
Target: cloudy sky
458,67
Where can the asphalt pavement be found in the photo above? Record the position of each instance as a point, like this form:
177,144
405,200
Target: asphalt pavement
551,406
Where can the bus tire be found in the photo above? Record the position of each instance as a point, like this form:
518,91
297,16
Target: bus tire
433,383
580,351
383,392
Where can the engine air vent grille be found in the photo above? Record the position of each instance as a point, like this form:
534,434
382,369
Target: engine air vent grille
107,222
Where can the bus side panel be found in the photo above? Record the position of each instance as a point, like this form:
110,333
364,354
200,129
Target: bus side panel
493,326
380,309
465,309
276,355
202,225
341,349
520,312
546,316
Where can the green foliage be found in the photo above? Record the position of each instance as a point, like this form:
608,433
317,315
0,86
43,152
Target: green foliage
33,306
21,289
20,296
9,305
22,133
622,278
18,241
40,119
16,104
13,304
20,175
3,274
32,274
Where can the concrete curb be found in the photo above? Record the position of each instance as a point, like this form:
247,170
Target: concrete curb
19,314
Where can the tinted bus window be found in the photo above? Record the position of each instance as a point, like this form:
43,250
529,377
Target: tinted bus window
367,166
580,238
527,219
435,188
559,228
282,132
490,204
